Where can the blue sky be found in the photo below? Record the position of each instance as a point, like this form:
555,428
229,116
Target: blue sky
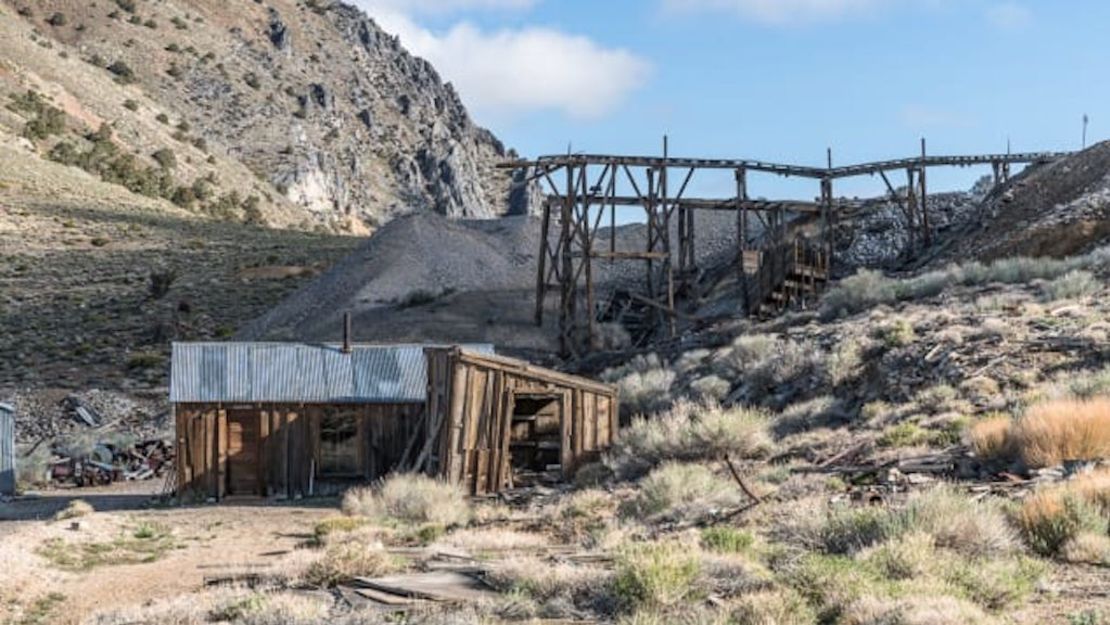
775,80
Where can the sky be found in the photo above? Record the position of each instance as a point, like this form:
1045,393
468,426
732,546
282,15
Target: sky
774,80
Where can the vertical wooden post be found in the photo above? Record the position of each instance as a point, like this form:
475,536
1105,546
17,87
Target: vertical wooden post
221,452
541,269
665,233
651,231
587,257
742,237
827,217
566,311
911,208
925,229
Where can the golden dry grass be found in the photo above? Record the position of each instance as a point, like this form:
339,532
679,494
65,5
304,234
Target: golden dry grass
1052,517
1055,431
990,437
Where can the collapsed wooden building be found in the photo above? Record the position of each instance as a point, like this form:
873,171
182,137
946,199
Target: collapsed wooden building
293,419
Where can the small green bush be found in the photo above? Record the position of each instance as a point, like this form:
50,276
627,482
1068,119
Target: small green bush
724,539
335,525
57,19
123,72
897,333
1071,285
145,360
656,575
681,491
131,105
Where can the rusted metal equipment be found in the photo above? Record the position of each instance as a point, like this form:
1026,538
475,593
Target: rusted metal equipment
585,191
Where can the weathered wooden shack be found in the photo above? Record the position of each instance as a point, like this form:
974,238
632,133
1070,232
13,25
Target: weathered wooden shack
291,419
500,421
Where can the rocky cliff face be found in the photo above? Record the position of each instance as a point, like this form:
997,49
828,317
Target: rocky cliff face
325,108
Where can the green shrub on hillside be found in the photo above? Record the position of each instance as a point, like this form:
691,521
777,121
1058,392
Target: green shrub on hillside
123,72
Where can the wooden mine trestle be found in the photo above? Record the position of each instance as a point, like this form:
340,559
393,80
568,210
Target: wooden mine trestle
773,265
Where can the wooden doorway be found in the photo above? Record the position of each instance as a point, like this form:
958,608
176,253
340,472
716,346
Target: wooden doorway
244,428
536,438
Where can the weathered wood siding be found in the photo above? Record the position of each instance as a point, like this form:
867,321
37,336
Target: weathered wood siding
470,405
288,444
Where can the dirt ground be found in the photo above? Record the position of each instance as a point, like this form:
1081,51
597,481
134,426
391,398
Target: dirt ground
245,536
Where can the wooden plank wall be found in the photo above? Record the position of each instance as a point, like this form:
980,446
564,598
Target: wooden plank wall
288,446
476,429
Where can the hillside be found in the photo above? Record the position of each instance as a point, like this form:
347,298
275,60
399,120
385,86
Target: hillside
309,108
1057,209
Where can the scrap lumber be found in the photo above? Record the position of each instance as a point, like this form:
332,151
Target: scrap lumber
439,586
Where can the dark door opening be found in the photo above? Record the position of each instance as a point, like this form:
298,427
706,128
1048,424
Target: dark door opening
243,434
535,442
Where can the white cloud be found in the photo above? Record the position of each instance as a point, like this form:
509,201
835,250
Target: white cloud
506,73
778,12
1009,16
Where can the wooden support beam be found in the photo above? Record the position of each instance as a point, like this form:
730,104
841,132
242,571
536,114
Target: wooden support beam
926,232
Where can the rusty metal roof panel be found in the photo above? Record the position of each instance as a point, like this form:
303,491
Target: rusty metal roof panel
300,373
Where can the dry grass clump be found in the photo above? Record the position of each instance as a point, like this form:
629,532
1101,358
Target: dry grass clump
690,432
1052,517
1050,433
545,581
75,509
1071,285
951,520
869,288
479,540
681,491
941,610
764,363
644,383
710,388
1087,548
990,437
409,498
958,523
773,607
351,555
821,411
1054,431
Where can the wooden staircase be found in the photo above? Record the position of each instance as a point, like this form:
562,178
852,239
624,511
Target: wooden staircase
789,274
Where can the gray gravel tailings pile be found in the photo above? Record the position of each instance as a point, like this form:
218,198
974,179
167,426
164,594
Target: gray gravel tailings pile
422,253
422,257
1058,209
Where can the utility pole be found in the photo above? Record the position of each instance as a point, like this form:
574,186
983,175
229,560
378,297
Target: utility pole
1086,120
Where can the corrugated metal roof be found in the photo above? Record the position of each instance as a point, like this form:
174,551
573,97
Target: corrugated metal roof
300,373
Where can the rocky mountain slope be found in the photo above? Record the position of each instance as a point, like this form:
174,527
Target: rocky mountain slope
308,107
